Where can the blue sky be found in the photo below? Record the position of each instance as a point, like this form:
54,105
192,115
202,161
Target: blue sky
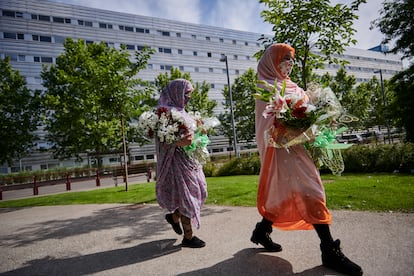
233,14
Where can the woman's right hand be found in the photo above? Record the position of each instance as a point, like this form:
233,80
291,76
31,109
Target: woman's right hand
185,141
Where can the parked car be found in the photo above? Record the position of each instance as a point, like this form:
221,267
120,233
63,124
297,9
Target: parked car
370,137
350,139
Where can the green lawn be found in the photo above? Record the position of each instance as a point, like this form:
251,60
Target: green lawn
367,192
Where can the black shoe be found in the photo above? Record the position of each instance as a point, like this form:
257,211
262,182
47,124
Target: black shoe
193,243
175,225
333,258
262,235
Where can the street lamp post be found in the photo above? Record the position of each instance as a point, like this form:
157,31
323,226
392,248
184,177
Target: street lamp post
224,59
385,104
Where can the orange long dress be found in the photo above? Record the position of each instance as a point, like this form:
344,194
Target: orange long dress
290,192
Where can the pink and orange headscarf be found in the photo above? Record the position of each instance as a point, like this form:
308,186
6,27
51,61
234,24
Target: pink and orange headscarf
267,67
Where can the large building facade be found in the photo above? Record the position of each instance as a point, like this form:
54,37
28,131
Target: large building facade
32,33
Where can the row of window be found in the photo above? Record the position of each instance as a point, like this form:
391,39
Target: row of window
357,68
132,47
103,25
162,67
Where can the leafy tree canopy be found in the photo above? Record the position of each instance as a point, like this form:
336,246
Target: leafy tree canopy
20,113
92,91
243,90
317,30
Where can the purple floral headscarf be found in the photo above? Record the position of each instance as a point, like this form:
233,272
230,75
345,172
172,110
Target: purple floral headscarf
176,94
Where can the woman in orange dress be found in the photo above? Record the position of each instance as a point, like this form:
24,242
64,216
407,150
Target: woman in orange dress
290,195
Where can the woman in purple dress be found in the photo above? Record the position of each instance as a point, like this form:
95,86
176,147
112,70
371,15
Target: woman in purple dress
181,186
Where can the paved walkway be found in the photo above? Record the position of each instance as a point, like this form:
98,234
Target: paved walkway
125,239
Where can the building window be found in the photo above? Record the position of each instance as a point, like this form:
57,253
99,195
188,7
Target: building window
246,43
68,20
210,70
21,58
121,27
58,19
194,53
166,67
196,69
164,50
36,59
212,85
8,13
208,38
47,59
35,16
44,18
209,54
35,37
149,66
181,68
248,57
59,39
130,47
234,42
20,36
237,72
194,36
9,35
235,57
164,33
45,38
81,22
178,34
102,25
129,29
180,52
141,30
221,40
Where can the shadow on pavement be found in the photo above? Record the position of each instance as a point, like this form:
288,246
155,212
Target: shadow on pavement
143,220
249,261
93,263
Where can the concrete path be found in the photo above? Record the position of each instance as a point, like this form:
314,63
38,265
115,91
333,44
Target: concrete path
119,239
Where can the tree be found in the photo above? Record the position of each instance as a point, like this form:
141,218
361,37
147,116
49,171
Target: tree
354,101
20,114
92,94
243,90
396,23
318,31
199,100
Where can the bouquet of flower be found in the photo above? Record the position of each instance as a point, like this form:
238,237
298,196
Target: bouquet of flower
170,127
304,119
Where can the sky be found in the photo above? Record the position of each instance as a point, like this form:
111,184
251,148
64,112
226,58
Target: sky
241,15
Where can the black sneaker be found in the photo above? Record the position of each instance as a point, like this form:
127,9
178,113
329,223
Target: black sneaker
175,225
262,236
333,258
193,243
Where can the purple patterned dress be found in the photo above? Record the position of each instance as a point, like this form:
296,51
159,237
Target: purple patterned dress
181,183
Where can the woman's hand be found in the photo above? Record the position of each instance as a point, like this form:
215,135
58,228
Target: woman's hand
185,141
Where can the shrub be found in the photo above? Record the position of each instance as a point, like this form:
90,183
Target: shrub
240,166
379,158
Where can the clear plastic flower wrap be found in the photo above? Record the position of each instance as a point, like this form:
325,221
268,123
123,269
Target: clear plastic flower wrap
305,119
